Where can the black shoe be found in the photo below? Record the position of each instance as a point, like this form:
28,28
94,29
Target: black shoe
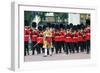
60,52
51,55
56,52
66,53
77,51
44,56
88,53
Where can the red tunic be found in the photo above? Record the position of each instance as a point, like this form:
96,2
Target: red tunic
57,37
34,36
87,36
75,37
62,35
26,34
26,38
49,39
40,38
80,38
68,38
27,31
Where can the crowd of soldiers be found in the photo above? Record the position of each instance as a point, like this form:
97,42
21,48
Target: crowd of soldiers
54,38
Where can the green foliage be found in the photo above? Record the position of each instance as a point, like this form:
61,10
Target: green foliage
29,16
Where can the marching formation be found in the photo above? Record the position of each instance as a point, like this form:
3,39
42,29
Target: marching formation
56,38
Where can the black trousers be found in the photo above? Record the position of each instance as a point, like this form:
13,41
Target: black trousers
63,46
60,46
75,47
57,47
88,46
85,46
67,47
26,49
39,48
43,50
53,44
34,47
81,44
72,50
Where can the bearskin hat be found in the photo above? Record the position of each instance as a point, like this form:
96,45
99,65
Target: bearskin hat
34,24
40,28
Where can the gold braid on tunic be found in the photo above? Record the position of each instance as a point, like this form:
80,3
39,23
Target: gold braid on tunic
47,44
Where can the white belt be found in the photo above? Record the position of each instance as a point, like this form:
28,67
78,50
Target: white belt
68,37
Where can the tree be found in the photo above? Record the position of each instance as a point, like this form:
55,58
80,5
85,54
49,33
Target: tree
29,16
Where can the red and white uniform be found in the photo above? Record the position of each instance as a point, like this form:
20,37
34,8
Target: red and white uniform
63,35
80,37
27,33
68,38
40,38
75,37
57,37
34,36
87,34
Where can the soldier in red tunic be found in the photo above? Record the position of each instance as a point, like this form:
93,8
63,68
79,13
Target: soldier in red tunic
57,39
40,41
34,35
62,36
82,40
75,41
67,41
75,38
71,40
26,38
88,39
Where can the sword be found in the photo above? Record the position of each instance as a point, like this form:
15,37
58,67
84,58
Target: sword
36,44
